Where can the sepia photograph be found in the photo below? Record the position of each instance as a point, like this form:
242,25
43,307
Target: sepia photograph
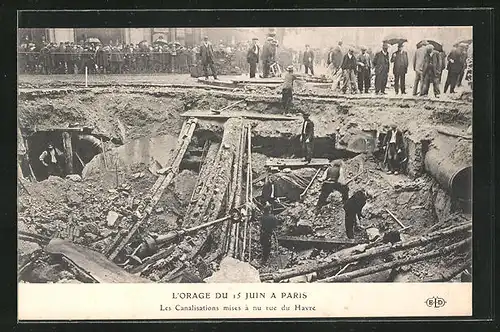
264,155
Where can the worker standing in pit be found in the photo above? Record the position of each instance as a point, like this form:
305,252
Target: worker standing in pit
307,137
393,143
268,224
50,159
331,183
268,192
352,209
287,89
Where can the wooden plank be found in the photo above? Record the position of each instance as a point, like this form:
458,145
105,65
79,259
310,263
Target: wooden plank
217,82
95,264
274,162
164,183
315,241
248,115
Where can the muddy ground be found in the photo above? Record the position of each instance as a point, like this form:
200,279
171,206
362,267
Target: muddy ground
57,206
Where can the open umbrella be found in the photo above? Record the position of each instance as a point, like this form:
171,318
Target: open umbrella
394,39
464,41
93,40
161,41
437,46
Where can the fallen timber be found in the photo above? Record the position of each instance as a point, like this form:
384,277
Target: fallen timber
397,263
277,162
314,241
236,114
205,171
339,260
162,183
447,276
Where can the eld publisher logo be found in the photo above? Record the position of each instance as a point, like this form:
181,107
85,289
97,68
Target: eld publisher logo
435,302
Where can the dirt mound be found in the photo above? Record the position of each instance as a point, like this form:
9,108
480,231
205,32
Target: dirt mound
140,115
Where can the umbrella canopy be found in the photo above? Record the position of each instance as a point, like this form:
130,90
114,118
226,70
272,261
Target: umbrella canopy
464,41
93,40
437,46
394,39
161,41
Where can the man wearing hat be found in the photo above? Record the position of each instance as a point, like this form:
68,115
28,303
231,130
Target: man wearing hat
431,71
394,145
454,67
464,48
50,158
307,137
400,60
253,55
207,57
364,70
287,89
331,183
349,65
418,65
267,56
308,60
381,64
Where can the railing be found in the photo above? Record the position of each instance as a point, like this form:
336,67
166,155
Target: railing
112,62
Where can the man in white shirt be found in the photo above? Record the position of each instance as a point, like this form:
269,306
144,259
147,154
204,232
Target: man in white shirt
393,142
50,159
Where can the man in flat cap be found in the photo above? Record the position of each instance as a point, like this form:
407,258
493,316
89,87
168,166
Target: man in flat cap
364,70
308,60
348,66
431,71
253,55
418,66
207,57
381,64
287,88
267,56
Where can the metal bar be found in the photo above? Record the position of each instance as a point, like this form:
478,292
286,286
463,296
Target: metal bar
395,218
310,183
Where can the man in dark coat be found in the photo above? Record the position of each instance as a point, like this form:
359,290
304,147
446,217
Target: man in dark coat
364,71
267,57
400,60
338,56
307,137
308,60
454,67
381,64
207,57
253,55
432,71
393,143
418,66
268,224
352,208
331,183
268,192
349,65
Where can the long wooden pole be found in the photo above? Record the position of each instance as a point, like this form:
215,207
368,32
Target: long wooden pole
397,263
250,191
369,253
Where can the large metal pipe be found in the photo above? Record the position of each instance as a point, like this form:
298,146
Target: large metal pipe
96,143
456,178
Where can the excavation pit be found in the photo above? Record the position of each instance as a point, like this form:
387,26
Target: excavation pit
140,129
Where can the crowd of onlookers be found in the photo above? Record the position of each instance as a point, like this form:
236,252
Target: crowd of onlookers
116,58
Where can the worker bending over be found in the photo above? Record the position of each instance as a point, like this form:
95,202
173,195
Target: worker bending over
331,183
352,208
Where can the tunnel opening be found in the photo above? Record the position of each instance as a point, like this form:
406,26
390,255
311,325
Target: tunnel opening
83,146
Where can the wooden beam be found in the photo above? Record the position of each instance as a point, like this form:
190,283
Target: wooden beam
237,114
274,162
162,183
68,152
397,263
340,260
223,83
315,241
